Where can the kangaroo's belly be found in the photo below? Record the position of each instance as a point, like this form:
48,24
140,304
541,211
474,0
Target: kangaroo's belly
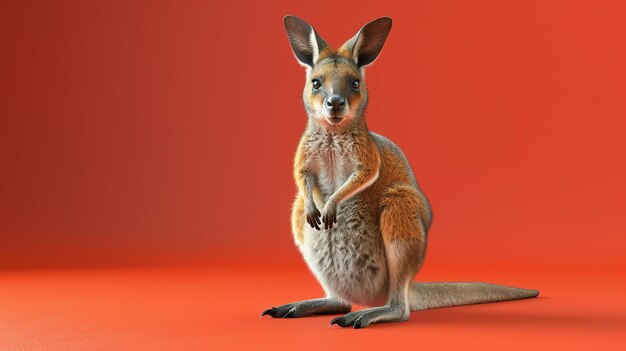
349,259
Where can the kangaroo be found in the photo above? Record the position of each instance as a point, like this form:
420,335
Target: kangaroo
369,240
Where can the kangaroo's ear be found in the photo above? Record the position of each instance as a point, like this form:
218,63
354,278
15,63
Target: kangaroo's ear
366,44
304,40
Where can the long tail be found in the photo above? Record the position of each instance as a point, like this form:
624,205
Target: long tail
424,296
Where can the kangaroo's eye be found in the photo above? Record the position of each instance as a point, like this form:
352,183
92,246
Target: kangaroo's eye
316,84
355,84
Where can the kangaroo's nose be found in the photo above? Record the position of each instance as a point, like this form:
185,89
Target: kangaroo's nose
335,102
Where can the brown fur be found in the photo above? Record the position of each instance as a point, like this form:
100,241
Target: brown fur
403,208
403,214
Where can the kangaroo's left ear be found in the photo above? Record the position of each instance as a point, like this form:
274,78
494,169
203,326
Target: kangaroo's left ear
367,43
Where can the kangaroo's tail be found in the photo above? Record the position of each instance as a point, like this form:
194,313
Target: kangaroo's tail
423,296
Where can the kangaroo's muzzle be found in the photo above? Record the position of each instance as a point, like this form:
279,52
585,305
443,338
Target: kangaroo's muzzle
335,106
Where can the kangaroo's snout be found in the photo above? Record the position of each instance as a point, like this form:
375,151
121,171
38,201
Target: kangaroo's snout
335,103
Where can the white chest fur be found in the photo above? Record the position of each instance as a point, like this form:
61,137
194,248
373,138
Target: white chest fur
332,160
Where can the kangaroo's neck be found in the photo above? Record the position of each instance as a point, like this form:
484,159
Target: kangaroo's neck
356,126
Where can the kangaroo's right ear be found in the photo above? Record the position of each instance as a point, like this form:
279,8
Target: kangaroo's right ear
305,42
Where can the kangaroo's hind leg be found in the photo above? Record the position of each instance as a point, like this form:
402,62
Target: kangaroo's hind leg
403,221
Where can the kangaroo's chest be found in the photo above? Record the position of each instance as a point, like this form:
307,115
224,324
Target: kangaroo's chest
332,160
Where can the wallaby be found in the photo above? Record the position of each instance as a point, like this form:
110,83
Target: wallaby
369,240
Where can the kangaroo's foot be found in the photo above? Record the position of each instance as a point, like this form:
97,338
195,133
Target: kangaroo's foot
363,318
308,307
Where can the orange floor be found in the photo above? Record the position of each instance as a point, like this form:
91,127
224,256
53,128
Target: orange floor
218,309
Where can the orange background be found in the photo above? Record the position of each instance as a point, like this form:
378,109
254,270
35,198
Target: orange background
156,133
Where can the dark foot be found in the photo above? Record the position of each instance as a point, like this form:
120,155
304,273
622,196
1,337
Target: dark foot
363,318
307,307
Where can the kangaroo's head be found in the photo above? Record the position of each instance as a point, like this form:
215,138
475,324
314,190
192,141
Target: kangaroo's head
335,92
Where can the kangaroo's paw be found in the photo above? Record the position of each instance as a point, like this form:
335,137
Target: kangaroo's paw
308,307
363,318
